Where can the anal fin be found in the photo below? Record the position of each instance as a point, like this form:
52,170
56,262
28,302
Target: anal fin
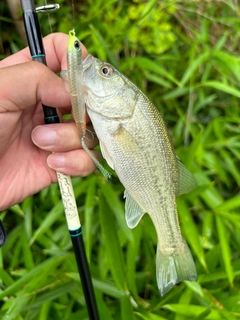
133,212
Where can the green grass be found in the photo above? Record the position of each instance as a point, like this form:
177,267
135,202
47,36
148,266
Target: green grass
185,56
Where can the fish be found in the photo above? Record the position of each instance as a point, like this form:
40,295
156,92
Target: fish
135,143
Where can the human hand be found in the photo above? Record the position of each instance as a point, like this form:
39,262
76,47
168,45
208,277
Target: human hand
27,164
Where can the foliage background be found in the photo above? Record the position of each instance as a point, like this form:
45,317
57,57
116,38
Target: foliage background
185,56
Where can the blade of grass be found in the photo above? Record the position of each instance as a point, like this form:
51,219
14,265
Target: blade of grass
14,307
126,308
192,310
115,205
39,270
50,219
221,87
88,215
190,231
111,242
225,248
193,66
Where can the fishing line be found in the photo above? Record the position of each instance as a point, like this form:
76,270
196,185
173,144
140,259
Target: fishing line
47,9
49,21
73,14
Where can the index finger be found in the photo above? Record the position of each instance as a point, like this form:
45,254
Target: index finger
55,46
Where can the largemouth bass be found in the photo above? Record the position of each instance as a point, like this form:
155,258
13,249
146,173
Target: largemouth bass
135,143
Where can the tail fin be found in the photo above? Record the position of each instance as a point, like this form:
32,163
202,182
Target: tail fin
173,268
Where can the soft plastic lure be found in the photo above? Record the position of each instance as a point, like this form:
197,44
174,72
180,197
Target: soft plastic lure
75,79
75,76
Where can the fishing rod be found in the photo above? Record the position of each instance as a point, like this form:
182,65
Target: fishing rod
34,37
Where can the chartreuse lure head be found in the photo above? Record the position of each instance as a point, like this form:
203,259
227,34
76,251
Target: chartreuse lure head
74,44
75,76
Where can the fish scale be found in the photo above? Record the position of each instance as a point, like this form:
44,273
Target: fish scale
135,142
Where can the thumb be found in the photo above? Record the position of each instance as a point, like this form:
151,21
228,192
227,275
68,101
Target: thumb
26,84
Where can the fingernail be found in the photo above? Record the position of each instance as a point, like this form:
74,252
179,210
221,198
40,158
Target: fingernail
43,136
56,161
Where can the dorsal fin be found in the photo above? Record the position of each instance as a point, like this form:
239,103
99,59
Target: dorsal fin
186,182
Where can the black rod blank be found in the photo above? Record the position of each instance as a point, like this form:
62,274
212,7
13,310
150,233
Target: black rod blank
34,37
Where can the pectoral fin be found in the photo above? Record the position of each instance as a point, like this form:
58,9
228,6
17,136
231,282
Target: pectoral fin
133,212
186,181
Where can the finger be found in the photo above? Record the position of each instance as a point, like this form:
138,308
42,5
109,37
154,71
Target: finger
74,163
55,46
59,42
34,82
61,137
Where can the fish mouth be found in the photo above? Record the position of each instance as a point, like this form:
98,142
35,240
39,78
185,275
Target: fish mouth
87,62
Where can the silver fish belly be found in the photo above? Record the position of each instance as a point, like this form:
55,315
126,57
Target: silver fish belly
134,141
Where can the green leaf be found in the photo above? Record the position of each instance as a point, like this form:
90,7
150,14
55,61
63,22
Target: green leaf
111,242
110,57
127,308
149,316
193,66
15,307
225,248
222,87
55,292
53,216
132,253
6,279
109,289
44,312
27,207
230,204
203,314
190,231
27,253
150,65
195,287
192,311
115,205
104,310
36,273
89,215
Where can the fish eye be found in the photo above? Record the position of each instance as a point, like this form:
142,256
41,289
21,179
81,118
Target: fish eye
106,70
77,45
